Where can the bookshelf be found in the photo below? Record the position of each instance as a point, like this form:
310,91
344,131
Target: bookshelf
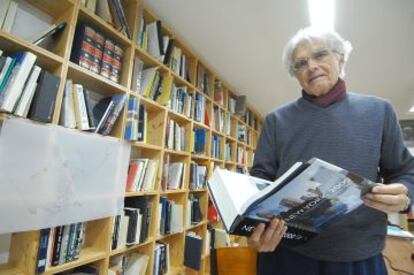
98,233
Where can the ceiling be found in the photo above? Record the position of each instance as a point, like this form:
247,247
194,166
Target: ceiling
242,41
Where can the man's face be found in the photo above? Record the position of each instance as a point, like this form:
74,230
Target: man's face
316,67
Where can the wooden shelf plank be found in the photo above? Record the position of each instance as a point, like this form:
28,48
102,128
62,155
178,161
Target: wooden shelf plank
129,248
87,255
95,80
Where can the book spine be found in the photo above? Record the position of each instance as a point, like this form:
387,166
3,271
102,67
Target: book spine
57,245
89,109
28,92
42,251
108,53
105,116
119,105
96,52
83,47
131,128
116,64
16,81
83,114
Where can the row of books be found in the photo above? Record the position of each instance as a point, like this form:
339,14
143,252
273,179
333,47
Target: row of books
228,151
237,105
151,84
216,151
142,174
175,136
241,132
162,47
161,263
132,226
128,264
87,110
173,175
241,155
217,120
199,141
194,215
203,80
250,120
136,121
198,176
181,101
93,51
170,218
26,90
60,245
112,11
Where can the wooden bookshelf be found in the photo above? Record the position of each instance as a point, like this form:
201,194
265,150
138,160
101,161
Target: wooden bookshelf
97,248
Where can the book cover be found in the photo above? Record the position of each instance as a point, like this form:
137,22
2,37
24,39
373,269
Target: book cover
49,32
15,82
43,103
308,197
42,251
193,250
119,102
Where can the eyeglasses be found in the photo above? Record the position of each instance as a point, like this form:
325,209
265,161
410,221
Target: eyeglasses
319,57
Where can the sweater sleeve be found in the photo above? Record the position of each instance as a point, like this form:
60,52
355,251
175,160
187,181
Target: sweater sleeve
397,163
265,161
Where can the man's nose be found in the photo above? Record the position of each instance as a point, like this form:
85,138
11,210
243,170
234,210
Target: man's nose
312,64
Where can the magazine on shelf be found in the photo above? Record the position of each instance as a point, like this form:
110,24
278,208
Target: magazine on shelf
308,197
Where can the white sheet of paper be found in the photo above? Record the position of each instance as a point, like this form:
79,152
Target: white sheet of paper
50,175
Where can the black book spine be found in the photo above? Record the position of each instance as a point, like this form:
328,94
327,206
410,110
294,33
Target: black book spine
160,41
43,103
57,245
132,226
115,232
170,47
123,19
83,46
148,214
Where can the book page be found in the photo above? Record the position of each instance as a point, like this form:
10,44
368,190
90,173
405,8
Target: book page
52,175
317,196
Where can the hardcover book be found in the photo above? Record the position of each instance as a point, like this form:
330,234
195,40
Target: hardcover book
308,197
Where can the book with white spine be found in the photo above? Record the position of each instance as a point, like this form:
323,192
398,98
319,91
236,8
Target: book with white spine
15,84
23,106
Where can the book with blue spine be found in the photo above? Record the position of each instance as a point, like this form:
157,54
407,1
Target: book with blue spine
42,251
131,128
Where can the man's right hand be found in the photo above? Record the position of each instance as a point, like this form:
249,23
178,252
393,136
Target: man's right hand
267,240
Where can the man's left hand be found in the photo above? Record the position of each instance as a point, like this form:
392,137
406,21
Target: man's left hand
389,198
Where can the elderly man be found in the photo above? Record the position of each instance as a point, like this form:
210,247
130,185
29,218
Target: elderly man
356,132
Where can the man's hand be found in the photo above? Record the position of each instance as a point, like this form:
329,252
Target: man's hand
388,198
267,240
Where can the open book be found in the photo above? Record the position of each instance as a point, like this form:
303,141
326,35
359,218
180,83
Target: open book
307,197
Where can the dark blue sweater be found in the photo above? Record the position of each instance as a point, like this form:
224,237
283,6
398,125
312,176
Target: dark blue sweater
358,133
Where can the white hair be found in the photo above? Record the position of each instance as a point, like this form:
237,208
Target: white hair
332,39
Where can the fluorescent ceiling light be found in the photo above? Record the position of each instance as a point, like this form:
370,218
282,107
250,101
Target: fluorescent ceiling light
411,109
322,14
